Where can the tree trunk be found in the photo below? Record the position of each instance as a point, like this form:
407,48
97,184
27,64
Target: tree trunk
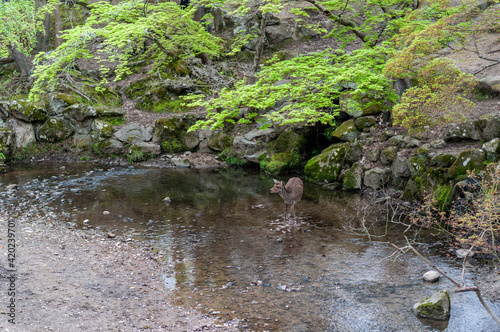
22,62
261,42
58,26
43,38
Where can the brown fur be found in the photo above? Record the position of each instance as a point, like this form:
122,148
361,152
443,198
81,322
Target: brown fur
291,193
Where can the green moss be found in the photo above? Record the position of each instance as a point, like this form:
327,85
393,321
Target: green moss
231,158
69,99
327,165
114,120
173,146
136,155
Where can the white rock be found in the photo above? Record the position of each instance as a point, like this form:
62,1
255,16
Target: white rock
431,276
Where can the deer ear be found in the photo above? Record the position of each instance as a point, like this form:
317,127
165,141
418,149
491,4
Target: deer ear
275,181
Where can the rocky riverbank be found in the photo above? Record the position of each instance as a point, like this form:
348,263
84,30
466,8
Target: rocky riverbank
71,279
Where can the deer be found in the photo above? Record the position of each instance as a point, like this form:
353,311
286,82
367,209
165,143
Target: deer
291,193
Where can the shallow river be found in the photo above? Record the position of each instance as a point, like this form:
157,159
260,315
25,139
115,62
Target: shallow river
227,252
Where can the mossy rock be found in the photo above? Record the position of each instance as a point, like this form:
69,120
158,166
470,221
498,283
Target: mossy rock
173,145
110,147
287,141
346,131
471,159
154,97
283,154
434,176
67,98
365,122
219,141
169,128
102,129
136,154
492,149
436,306
26,111
354,152
327,165
357,106
353,178
443,159
388,155
191,140
80,112
54,130
109,112
413,189
280,163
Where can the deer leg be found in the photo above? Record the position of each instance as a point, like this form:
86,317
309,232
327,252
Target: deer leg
286,210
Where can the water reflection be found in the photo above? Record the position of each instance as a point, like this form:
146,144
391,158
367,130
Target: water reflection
226,253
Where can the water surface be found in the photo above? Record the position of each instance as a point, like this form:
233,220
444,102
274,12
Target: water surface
226,250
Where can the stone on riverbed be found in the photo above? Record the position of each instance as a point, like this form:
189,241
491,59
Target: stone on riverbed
436,306
431,276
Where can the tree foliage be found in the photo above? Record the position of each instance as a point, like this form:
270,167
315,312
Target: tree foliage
441,96
310,85
303,89
157,33
18,26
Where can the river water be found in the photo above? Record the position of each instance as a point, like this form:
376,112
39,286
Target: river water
226,251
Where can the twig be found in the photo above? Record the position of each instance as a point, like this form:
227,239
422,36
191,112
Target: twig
460,288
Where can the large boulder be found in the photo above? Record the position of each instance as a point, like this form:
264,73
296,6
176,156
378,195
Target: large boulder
169,128
354,152
388,155
149,149
102,129
400,168
327,165
219,141
492,127
346,131
54,130
24,110
492,149
353,178
81,117
436,306
443,159
24,132
469,130
467,160
133,133
364,123
377,178
112,147
283,154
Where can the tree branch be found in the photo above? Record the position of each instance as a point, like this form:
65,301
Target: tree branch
346,23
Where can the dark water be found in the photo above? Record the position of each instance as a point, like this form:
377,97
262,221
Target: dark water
227,252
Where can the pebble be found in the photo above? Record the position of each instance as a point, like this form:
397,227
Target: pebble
105,212
431,276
